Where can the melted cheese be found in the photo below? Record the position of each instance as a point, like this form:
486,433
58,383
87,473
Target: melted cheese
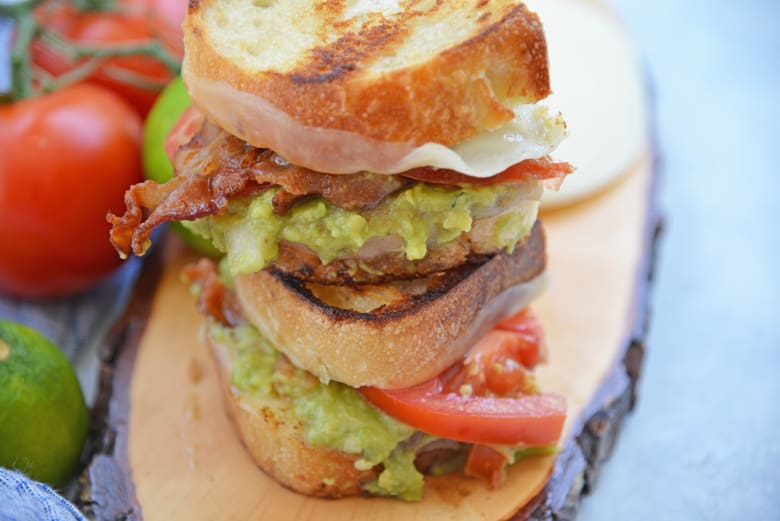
533,133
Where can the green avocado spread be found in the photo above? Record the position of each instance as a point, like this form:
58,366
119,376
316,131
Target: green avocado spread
333,415
336,416
422,216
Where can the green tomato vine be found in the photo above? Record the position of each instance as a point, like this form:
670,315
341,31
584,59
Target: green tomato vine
27,82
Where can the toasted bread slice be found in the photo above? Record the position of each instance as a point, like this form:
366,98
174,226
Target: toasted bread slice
393,335
407,72
274,437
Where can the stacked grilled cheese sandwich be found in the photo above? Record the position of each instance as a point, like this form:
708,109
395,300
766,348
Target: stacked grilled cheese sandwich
372,172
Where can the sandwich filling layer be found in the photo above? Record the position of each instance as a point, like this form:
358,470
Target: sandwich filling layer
390,456
336,416
359,228
409,223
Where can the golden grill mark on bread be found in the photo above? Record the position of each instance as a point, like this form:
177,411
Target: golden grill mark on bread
440,75
344,55
376,36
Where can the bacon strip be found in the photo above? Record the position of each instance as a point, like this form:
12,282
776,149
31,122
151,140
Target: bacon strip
215,300
181,198
542,169
214,168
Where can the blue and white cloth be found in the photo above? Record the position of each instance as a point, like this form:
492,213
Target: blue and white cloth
22,499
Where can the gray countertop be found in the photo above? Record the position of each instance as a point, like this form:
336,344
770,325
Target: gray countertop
704,440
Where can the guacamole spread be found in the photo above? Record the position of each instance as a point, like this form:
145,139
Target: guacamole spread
422,216
333,415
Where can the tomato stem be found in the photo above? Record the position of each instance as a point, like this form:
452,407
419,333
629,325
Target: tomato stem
76,52
95,5
26,82
16,8
133,78
21,70
74,75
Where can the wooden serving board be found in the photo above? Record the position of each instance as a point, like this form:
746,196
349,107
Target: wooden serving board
168,451
163,448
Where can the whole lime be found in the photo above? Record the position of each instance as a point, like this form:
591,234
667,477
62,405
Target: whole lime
43,417
170,105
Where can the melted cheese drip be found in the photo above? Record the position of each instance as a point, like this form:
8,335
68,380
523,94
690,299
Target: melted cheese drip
534,132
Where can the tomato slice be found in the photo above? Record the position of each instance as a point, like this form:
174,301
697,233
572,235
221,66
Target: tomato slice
500,362
528,170
530,337
489,397
531,420
486,462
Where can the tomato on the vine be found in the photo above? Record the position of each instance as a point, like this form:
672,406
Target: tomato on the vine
166,17
137,78
66,158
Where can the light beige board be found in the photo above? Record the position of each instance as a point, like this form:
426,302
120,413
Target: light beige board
187,462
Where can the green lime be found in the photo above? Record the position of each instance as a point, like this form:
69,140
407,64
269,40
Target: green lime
170,105
43,417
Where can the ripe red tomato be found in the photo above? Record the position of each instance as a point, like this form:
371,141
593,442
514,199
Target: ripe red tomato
534,420
66,159
497,410
166,17
138,79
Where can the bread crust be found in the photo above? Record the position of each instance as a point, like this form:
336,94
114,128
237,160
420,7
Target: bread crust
276,442
402,343
444,98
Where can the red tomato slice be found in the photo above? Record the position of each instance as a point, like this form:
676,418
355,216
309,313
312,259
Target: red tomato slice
486,462
500,406
532,420
500,362
528,170
187,126
529,333
494,366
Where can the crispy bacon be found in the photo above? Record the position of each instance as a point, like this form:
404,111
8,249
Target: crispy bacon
214,153
543,169
215,167
215,300
182,198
